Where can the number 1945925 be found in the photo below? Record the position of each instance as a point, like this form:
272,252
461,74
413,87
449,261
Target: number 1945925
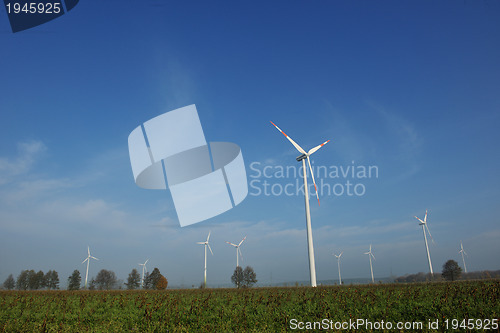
34,7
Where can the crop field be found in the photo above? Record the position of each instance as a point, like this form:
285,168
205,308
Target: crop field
446,305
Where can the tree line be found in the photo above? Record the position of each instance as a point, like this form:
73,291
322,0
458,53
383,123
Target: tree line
104,280
31,280
451,271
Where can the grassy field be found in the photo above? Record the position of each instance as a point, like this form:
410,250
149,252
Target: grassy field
258,309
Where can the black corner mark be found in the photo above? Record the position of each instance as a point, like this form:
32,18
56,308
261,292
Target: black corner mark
26,14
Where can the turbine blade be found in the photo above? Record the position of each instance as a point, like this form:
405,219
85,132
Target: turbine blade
146,262
85,260
94,258
425,218
432,239
88,250
242,241
241,255
314,182
420,220
340,255
313,150
208,236
210,249
299,148
373,256
231,244
200,242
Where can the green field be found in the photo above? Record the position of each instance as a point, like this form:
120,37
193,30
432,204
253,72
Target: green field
255,310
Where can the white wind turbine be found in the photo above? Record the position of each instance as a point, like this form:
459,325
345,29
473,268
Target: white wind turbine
303,157
237,250
143,269
338,262
88,261
206,244
370,255
424,226
462,251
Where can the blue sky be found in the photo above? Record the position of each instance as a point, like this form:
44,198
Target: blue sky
411,87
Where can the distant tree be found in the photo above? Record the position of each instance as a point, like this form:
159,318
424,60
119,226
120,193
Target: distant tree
32,280
92,284
145,282
418,277
22,282
150,280
134,280
237,277
105,279
162,283
52,280
249,277
74,280
9,283
119,284
39,281
451,270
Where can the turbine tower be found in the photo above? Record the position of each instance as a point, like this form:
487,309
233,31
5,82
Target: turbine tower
303,158
143,269
338,262
462,251
424,227
370,255
237,250
206,244
88,261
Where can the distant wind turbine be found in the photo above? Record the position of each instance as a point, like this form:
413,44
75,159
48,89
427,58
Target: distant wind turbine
237,250
370,255
462,251
424,227
303,158
206,244
143,269
88,261
338,262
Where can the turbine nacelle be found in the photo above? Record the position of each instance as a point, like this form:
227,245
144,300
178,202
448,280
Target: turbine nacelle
305,155
206,243
238,250
424,225
301,157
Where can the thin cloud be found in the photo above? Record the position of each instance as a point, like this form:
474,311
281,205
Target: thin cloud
27,154
409,143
